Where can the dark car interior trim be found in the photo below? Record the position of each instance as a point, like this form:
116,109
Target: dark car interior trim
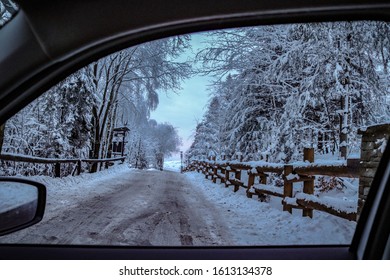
373,230
48,252
43,55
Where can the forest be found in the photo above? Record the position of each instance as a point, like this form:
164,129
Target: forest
276,89
7,9
77,117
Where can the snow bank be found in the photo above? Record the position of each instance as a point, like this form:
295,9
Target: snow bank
67,191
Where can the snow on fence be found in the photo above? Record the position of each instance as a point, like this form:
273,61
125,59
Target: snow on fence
57,162
230,173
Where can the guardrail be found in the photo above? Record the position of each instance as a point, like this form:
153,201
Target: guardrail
57,162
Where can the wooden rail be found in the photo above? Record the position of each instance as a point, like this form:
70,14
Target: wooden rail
229,174
57,162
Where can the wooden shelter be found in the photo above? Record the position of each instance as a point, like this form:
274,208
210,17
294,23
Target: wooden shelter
118,141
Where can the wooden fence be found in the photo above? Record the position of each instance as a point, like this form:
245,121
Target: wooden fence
57,162
290,174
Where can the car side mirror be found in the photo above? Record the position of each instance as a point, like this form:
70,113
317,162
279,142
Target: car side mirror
22,204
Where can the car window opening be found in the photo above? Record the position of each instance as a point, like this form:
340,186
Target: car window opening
265,135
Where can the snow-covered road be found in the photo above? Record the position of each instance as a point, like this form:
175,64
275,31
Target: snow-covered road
122,206
139,208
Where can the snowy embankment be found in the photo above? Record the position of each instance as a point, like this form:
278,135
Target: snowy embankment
264,223
65,192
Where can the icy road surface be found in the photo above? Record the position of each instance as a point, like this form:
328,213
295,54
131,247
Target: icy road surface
139,208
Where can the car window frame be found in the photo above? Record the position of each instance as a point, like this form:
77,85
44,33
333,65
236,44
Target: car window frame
56,69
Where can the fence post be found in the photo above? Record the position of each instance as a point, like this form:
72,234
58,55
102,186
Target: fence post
308,186
288,187
215,172
57,170
207,172
227,173
237,176
263,178
202,167
78,167
251,182
308,154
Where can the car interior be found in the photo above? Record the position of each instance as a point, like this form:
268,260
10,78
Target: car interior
44,42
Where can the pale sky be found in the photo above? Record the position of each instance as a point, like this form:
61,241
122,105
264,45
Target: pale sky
185,108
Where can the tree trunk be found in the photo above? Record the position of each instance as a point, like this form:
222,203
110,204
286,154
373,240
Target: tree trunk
106,117
344,127
94,152
111,132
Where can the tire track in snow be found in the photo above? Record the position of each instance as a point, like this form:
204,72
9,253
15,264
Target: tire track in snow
141,208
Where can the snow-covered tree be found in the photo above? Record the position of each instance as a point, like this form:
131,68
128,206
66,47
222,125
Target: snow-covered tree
7,9
123,79
298,85
150,143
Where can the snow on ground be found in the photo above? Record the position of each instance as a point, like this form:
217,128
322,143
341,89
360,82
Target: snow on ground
264,223
249,221
173,165
64,192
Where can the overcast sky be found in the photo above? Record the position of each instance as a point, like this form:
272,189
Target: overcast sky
185,108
